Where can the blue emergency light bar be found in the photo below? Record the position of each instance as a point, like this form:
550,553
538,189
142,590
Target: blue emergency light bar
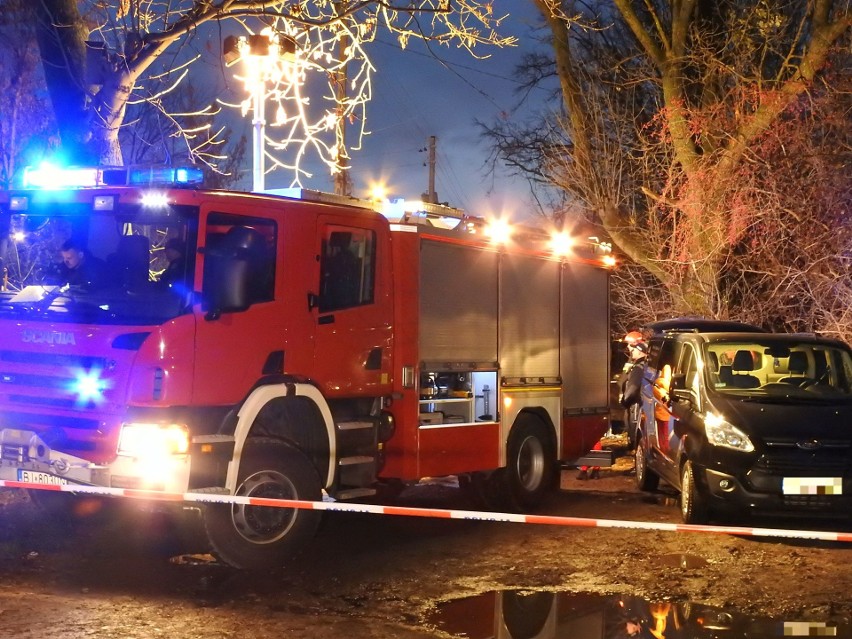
48,176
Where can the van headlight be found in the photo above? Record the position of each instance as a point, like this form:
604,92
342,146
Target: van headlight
148,441
721,433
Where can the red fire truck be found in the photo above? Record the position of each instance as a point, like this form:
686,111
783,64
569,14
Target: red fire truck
306,350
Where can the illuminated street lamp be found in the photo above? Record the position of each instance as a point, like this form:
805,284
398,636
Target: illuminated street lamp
262,52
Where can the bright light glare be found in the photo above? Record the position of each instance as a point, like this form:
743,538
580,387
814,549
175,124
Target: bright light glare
153,440
47,176
154,200
608,260
19,236
499,231
89,386
378,192
561,243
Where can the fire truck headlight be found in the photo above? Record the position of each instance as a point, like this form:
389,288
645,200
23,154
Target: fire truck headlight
153,440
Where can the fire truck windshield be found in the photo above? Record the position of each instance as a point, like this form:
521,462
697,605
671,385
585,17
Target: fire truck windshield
63,262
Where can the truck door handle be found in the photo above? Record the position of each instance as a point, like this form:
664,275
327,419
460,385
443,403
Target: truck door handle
326,319
313,301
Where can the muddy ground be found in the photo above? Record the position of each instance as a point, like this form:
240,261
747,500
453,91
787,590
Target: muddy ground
379,577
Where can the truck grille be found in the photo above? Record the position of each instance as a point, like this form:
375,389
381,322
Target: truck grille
49,380
53,359
784,457
40,423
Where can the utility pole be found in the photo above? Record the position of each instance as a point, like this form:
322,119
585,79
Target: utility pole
431,196
342,179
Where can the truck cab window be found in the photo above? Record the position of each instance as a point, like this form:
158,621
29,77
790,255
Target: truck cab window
239,254
347,264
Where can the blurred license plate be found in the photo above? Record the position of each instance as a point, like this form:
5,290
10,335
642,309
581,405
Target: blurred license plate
32,477
812,486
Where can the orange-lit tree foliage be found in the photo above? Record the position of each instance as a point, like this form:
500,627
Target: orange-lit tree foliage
710,142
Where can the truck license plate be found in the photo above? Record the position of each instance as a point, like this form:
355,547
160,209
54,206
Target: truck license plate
812,486
33,477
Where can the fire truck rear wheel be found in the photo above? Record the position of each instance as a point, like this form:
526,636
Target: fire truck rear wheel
263,537
530,475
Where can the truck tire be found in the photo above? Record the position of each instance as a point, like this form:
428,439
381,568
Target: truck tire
263,537
531,473
646,479
693,504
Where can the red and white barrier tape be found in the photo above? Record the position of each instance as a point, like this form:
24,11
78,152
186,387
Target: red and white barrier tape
437,513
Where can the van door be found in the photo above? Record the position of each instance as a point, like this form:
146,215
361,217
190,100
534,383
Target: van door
689,376
664,357
352,307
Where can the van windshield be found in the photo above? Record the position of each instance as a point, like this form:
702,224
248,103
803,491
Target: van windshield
774,367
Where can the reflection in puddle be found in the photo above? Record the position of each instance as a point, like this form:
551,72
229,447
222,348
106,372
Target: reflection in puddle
524,614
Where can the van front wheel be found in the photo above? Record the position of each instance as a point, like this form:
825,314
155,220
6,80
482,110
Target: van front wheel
693,504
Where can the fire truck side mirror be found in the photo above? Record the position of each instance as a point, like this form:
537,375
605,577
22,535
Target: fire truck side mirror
227,285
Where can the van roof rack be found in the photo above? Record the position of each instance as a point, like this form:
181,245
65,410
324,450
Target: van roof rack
701,325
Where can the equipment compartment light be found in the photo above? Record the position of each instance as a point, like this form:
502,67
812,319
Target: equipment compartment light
147,441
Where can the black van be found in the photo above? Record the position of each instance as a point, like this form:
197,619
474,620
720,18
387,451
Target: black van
751,421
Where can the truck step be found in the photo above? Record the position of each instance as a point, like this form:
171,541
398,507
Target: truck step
356,459
354,493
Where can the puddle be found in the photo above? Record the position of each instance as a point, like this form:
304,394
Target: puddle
524,614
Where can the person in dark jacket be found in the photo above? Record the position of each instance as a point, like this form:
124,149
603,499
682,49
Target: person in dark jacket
174,251
631,380
80,268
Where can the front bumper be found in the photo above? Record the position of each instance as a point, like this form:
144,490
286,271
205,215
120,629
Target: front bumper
25,457
760,492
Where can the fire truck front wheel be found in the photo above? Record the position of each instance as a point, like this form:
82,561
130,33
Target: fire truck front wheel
530,475
263,537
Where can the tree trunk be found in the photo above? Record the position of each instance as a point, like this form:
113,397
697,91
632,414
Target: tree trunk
61,35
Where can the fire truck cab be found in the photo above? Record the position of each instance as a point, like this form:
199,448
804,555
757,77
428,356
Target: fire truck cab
306,349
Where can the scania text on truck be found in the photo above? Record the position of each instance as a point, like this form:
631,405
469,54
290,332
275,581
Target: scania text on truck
307,350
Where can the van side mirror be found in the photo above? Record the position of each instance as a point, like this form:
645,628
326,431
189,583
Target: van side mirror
680,391
683,394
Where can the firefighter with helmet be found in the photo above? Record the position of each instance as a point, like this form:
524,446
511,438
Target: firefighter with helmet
631,380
